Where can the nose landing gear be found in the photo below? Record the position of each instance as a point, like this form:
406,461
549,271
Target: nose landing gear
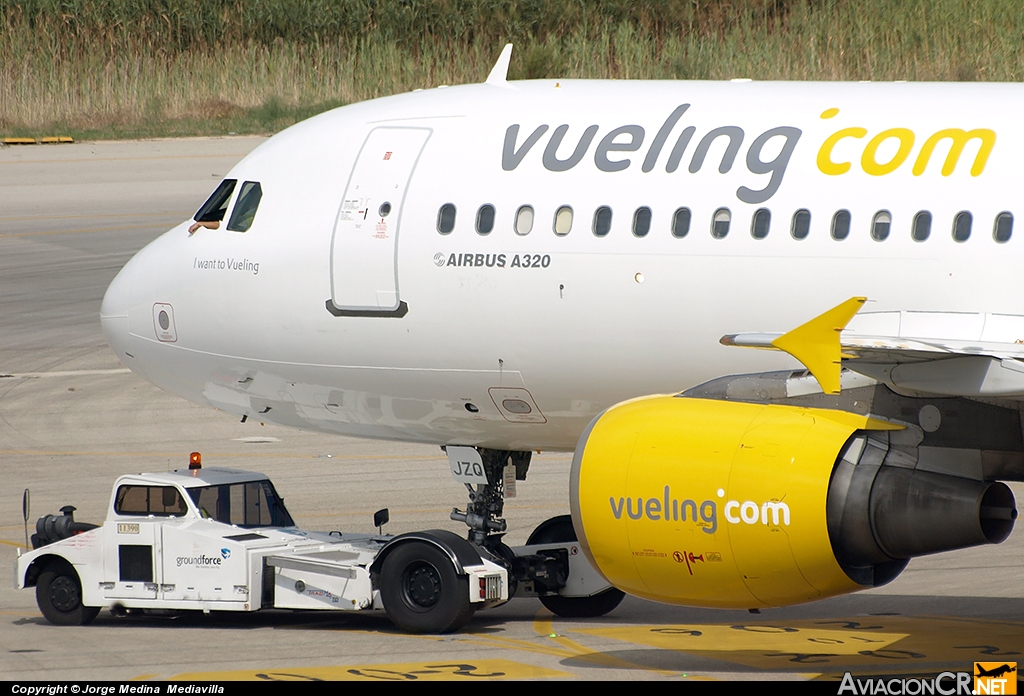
487,500
546,572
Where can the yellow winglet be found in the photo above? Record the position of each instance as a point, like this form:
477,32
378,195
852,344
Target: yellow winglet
816,343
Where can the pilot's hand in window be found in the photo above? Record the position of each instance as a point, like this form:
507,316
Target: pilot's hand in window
209,224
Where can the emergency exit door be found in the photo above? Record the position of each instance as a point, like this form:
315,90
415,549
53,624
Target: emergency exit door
364,248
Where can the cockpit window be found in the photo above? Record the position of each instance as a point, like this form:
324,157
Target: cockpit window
249,504
245,208
216,205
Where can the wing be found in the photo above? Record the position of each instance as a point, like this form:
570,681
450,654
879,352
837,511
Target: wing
914,353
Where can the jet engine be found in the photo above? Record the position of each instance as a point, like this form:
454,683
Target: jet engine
736,505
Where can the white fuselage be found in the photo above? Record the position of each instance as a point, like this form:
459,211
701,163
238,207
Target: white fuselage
489,350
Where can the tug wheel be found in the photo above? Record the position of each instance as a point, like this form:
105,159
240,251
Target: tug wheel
59,596
422,592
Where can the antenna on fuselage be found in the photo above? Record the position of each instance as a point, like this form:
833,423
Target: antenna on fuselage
499,73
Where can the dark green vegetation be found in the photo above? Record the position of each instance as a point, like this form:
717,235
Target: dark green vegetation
132,68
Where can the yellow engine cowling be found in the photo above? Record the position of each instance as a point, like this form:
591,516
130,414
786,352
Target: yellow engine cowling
712,503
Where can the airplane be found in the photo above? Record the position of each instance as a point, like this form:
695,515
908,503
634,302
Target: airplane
994,672
573,265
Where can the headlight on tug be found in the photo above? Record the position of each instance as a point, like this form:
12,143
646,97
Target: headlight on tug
726,504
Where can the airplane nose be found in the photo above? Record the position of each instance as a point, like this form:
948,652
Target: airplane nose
114,312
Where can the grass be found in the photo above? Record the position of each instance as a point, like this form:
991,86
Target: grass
139,68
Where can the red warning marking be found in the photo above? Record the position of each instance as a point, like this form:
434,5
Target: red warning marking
688,558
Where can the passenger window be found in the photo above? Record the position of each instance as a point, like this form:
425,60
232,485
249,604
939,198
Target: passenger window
1003,227
485,219
922,226
962,226
641,222
720,223
681,222
602,221
524,220
161,501
841,225
245,207
446,218
880,225
563,221
217,204
760,223
801,224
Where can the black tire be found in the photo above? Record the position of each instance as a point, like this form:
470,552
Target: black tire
559,530
59,596
421,591
583,607
553,531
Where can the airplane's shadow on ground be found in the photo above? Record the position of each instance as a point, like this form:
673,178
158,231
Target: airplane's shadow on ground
954,631
632,611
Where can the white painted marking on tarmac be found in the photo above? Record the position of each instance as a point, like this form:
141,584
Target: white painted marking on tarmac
256,440
65,373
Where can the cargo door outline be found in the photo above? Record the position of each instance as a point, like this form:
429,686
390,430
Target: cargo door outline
364,245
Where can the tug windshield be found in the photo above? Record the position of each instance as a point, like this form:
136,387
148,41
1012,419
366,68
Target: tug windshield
248,504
